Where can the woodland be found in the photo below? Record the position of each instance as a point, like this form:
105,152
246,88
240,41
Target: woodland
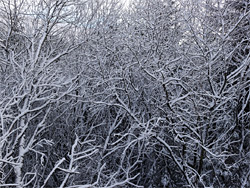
99,93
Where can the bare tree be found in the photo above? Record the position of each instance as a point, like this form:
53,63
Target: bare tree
94,95
32,82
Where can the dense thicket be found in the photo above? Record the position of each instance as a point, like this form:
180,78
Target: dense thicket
93,94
